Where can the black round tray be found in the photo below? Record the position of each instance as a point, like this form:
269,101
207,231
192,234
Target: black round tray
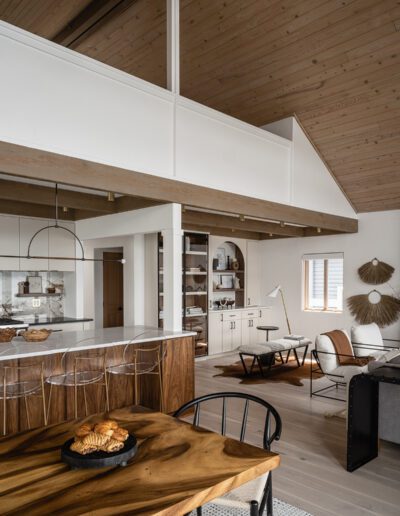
99,459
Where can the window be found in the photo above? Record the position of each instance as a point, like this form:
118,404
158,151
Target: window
323,282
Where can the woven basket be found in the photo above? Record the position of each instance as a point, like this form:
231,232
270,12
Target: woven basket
7,334
36,335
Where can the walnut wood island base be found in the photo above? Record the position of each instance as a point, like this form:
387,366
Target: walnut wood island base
176,469
57,355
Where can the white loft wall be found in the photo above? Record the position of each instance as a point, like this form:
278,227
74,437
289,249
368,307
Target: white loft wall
61,101
135,231
312,185
379,235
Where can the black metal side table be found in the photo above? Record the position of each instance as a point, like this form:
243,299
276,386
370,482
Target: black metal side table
268,329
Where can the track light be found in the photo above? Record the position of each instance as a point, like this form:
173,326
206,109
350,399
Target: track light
65,209
319,230
242,218
110,197
183,208
271,235
282,224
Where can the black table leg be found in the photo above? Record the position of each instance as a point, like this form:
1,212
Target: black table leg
244,364
297,356
305,355
362,426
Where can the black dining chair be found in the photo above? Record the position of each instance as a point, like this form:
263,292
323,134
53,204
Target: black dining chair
255,495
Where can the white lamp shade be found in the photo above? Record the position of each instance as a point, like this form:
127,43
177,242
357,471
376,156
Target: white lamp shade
275,291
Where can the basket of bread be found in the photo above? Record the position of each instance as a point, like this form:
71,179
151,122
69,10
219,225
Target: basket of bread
36,335
99,445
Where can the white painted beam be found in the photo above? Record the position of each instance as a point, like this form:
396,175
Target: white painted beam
173,47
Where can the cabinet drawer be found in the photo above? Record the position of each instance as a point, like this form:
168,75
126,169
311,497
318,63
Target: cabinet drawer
231,316
251,314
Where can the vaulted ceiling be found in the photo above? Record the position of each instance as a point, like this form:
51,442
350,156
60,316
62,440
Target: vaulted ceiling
334,64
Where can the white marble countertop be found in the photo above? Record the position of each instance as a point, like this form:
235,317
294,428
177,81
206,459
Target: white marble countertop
68,341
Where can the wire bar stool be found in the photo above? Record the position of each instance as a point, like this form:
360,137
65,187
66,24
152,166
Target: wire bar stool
144,361
16,385
84,371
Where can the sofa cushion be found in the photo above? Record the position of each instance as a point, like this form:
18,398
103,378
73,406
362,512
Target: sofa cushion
366,334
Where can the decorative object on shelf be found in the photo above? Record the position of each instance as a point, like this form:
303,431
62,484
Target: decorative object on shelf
35,285
230,303
235,264
221,259
26,287
7,334
36,335
187,243
226,280
236,282
374,307
273,294
228,263
375,272
215,263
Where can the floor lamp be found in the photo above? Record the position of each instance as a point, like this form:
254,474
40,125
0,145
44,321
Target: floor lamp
274,294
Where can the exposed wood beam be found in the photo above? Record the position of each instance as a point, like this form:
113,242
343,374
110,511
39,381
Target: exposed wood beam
199,218
128,203
225,232
90,19
27,162
34,210
44,195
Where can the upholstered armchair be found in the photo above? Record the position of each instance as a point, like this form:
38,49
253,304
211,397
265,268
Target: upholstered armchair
367,340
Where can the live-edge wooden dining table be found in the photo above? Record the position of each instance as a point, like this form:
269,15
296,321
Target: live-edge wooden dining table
177,468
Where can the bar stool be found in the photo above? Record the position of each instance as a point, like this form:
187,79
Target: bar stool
84,370
144,361
17,385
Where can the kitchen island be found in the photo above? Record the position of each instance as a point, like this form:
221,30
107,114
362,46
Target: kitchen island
57,354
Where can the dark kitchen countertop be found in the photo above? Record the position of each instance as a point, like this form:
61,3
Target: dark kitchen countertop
52,320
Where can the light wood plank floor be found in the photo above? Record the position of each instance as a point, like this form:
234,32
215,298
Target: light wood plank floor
312,448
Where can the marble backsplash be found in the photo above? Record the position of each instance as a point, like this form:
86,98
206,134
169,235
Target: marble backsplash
22,306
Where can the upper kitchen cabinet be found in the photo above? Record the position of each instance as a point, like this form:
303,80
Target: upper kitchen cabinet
62,244
9,242
39,247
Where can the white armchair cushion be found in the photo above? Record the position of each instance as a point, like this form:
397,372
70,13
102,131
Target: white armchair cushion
329,362
343,374
367,334
241,497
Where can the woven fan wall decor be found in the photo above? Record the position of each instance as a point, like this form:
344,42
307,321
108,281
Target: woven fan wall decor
384,312
375,272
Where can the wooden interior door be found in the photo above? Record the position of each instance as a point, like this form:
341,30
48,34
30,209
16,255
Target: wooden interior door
113,291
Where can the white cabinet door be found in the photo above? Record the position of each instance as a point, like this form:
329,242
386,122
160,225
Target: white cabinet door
62,244
9,242
236,334
249,331
227,328
214,333
265,317
253,273
40,245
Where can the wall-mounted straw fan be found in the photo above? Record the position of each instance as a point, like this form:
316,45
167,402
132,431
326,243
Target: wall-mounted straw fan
374,307
375,272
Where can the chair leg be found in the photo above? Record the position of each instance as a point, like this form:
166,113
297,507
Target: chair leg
76,401
27,412
106,385
254,508
49,402
4,406
161,391
270,508
85,400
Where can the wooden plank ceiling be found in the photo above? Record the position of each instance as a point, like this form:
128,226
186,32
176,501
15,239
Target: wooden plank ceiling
332,63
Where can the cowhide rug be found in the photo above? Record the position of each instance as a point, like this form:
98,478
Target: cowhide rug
288,373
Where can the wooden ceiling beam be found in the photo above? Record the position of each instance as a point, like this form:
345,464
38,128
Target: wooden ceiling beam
128,203
225,232
23,161
89,20
44,195
199,218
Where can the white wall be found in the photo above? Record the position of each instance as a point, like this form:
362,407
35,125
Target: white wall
378,236
61,101
135,232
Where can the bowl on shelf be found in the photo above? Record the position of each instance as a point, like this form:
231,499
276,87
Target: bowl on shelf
7,334
36,335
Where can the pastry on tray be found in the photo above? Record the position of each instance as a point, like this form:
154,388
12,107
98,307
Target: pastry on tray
105,436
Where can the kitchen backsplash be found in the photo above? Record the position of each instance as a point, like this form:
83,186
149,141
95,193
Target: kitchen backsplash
51,306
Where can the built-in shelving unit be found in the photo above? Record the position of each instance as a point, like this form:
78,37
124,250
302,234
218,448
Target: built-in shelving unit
39,294
228,274
194,277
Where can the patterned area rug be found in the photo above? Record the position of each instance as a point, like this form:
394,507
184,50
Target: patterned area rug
288,373
280,509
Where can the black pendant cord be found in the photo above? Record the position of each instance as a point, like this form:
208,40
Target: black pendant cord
56,205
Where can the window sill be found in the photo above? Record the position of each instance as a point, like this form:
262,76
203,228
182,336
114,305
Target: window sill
322,311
